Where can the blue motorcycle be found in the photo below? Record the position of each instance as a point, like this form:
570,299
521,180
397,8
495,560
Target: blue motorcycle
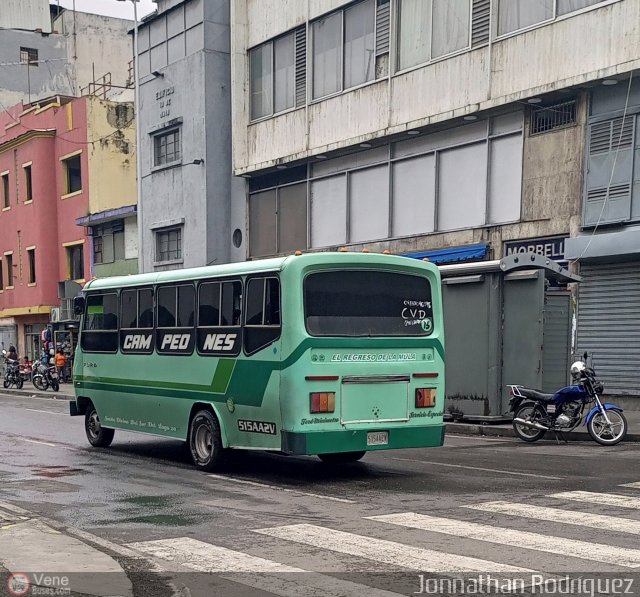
535,413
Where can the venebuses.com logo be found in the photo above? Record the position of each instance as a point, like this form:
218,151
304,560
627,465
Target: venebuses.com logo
18,584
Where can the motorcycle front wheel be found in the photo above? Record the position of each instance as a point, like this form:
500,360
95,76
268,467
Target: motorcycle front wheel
19,383
55,385
6,384
529,412
608,434
40,382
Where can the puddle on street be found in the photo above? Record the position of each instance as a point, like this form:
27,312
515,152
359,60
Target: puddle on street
148,501
56,471
163,520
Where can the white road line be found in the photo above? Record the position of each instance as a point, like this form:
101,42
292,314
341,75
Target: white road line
35,410
632,485
608,554
477,468
583,519
278,488
287,581
381,550
33,441
607,499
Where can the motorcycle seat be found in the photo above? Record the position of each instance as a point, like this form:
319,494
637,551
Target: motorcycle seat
536,395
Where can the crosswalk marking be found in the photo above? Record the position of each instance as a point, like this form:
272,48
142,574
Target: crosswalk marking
608,554
205,557
607,499
388,552
632,485
584,519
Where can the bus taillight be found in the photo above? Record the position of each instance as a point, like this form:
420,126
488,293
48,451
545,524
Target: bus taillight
425,397
322,402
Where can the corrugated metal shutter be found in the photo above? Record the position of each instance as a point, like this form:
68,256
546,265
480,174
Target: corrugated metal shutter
301,66
480,22
383,26
609,323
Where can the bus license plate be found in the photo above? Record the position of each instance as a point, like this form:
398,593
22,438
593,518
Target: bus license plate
377,438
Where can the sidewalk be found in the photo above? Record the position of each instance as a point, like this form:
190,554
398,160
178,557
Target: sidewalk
59,560
506,429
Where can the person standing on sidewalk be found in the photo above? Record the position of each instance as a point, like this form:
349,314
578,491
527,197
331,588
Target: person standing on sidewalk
61,361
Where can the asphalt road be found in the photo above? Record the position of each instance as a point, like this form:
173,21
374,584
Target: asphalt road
399,522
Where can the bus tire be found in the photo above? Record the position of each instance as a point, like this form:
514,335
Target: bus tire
98,436
341,457
205,441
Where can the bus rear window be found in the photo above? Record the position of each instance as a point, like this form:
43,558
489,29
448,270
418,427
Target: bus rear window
367,303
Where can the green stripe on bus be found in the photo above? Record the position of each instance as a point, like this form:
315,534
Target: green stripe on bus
222,376
243,379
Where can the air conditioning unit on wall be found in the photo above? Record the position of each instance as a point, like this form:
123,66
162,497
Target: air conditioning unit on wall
55,315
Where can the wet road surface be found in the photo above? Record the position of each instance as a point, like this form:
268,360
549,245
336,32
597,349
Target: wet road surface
294,526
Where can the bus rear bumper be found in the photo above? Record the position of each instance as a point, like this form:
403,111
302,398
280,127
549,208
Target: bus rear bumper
355,440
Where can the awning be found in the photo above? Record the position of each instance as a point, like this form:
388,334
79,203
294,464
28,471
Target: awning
452,254
108,215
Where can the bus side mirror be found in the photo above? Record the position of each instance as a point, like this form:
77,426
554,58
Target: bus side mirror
78,305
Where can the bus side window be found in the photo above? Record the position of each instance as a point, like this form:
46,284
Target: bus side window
218,332
175,316
262,313
136,321
100,326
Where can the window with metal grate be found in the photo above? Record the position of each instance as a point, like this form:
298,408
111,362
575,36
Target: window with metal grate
554,116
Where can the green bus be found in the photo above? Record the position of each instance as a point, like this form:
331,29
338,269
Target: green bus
327,354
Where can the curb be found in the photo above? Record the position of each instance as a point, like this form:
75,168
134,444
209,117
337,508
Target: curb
507,431
39,394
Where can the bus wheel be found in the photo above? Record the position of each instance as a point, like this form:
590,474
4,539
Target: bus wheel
98,436
341,457
205,441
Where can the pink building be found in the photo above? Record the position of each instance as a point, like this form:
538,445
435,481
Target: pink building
49,153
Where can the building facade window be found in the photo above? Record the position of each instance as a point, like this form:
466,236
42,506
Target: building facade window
344,51
551,117
31,258
166,148
430,29
8,259
1,274
28,184
108,242
169,244
6,195
465,177
72,168
29,56
514,15
75,262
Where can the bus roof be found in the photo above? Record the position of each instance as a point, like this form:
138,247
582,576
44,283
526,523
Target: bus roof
248,267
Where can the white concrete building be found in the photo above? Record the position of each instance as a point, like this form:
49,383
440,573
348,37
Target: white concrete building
448,128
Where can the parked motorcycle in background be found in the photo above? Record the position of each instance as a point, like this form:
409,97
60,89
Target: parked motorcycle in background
12,375
44,377
536,413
